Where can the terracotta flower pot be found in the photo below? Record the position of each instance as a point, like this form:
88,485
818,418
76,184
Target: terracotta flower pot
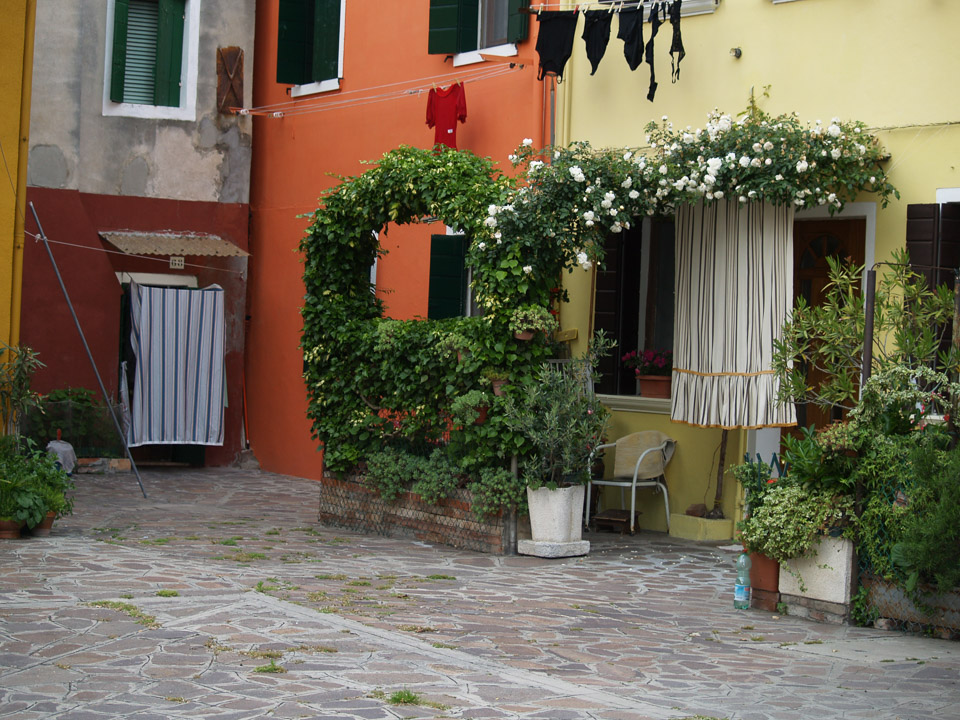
482,417
654,386
43,528
765,581
524,335
498,386
10,529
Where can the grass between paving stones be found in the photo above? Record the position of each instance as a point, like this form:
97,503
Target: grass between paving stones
167,593
132,610
271,667
407,697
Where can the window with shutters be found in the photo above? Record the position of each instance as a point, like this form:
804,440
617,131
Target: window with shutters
310,45
449,293
634,298
464,28
151,58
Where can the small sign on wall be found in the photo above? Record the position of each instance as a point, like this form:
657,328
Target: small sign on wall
176,262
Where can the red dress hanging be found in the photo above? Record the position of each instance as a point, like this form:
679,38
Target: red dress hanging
444,109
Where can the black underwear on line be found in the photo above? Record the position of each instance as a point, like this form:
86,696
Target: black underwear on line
677,44
655,22
596,34
555,40
631,32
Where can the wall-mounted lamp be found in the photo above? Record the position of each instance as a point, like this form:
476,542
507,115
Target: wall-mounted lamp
736,52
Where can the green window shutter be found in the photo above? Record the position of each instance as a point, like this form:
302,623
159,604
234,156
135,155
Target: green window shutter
295,42
326,40
169,52
448,277
444,27
518,20
469,31
119,63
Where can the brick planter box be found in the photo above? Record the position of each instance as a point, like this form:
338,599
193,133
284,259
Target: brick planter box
347,503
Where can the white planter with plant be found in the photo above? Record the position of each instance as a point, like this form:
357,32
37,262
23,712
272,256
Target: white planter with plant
562,421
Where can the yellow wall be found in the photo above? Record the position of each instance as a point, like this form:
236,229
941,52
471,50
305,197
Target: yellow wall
11,93
884,62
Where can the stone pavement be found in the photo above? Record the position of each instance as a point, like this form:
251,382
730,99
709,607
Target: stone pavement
220,596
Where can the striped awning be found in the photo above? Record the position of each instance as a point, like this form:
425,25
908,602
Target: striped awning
177,244
734,280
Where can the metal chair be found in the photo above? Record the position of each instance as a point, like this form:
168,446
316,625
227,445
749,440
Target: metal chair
639,462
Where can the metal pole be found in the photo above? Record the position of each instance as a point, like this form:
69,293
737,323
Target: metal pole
868,311
106,397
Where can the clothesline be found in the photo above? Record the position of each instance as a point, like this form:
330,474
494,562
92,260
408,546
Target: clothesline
408,88
613,6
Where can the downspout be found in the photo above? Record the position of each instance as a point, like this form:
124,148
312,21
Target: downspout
26,90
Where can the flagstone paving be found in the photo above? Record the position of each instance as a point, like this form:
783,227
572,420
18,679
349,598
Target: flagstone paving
220,596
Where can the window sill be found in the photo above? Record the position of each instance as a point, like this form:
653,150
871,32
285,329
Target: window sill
151,112
476,56
315,87
635,403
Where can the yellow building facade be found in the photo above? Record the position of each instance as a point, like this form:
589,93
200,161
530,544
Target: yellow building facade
16,59
881,62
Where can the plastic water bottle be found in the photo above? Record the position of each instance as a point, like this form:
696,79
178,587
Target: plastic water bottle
741,591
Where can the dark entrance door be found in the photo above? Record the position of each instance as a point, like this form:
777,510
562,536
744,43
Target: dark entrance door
814,241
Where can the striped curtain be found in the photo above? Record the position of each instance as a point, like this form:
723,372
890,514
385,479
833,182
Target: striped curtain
734,286
178,388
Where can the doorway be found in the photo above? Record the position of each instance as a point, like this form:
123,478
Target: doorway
813,242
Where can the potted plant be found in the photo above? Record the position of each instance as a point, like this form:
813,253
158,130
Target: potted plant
471,407
756,481
562,421
653,370
21,502
527,320
53,484
498,379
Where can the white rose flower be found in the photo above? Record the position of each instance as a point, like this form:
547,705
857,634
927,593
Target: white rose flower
836,153
752,194
627,155
556,154
745,161
663,169
492,210
589,223
873,179
634,194
527,142
755,162
627,183
834,129
490,222
718,194
616,228
535,165
862,149
802,166
609,196
714,164
768,161
831,197
798,202
588,215
512,158
742,198
823,153
709,179
605,204
768,146
778,177
528,269
481,245
688,138
757,147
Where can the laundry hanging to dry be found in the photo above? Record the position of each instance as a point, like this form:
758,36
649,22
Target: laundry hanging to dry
555,40
596,35
444,109
676,47
631,32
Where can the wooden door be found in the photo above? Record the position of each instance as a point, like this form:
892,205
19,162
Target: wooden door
813,242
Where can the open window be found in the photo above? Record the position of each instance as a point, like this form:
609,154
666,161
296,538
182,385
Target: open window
464,27
310,45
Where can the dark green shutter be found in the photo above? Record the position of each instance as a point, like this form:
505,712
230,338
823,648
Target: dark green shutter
326,40
169,52
469,31
518,20
295,42
120,14
448,277
444,22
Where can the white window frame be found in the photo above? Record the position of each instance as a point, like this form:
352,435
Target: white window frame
331,84
187,109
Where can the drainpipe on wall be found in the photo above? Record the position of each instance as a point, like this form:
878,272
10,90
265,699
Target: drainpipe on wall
20,201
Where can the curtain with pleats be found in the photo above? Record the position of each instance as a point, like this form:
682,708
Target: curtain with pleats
178,388
734,290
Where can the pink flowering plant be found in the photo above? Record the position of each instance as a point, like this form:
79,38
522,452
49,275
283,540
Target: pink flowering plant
649,362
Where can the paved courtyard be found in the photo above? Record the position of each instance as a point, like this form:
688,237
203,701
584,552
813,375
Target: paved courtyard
219,596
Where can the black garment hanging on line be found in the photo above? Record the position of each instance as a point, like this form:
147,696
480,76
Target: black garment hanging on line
655,22
596,34
555,40
631,32
677,45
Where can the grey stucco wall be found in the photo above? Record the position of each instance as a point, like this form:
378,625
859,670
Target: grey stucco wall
73,145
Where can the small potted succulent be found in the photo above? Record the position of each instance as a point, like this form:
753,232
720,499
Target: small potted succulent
527,320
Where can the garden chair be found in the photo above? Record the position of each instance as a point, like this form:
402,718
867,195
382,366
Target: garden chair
639,462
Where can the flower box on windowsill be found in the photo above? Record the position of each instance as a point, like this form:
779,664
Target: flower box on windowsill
653,386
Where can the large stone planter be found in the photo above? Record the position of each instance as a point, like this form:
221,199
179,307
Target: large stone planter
891,602
556,524
825,583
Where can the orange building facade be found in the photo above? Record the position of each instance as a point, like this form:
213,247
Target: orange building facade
336,83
